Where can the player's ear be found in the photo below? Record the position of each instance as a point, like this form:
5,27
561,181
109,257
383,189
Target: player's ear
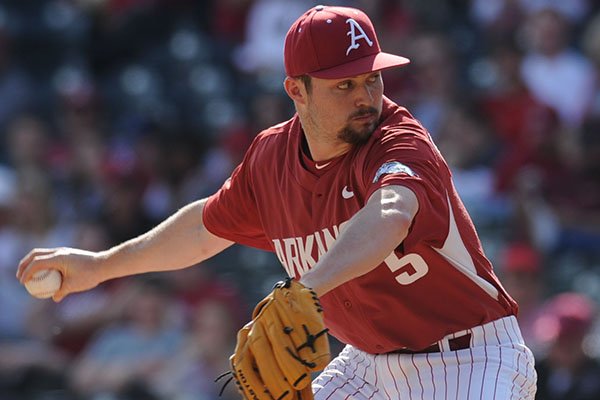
295,89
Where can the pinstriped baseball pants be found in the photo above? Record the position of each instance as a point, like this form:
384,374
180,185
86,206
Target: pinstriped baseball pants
498,365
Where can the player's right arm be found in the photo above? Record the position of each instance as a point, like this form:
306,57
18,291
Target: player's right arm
178,242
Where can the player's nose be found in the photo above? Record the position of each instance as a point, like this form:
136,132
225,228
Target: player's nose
365,96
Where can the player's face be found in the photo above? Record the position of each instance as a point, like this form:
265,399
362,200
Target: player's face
349,108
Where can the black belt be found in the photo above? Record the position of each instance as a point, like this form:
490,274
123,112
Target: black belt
457,343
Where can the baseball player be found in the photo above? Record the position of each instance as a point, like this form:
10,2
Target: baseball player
358,204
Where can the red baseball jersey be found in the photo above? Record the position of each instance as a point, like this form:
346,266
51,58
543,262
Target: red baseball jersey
436,282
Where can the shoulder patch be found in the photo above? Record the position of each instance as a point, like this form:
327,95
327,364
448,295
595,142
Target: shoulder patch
392,167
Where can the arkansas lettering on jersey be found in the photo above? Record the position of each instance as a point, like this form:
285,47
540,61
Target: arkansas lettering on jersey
436,282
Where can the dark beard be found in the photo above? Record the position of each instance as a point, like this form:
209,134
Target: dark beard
359,136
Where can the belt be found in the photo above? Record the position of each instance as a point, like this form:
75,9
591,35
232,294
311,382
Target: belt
457,343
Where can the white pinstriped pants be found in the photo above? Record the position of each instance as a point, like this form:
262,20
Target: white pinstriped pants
498,365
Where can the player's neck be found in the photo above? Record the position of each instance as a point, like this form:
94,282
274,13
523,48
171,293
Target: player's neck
323,150
322,147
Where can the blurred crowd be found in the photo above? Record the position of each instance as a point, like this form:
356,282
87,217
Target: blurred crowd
115,113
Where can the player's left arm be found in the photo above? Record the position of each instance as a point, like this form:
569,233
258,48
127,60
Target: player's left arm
367,239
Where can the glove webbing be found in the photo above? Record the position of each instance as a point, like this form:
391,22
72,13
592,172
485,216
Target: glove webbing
310,342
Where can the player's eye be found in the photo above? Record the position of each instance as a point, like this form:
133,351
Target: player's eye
344,85
373,78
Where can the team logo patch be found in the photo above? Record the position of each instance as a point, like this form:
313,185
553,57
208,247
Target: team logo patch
354,37
393,167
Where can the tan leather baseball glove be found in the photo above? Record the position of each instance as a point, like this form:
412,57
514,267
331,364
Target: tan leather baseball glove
284,343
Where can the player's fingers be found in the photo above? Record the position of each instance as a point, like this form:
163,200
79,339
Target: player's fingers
64,288
59,295
73,280
27,260
40,262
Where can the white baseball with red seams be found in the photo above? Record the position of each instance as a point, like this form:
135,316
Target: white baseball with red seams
43,284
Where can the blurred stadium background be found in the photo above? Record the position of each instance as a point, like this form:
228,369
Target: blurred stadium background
115,113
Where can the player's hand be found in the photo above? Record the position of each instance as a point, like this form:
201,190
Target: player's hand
79,268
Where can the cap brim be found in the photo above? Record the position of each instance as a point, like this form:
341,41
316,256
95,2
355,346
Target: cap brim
371,63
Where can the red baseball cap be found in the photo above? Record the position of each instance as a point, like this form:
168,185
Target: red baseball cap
335,42
566,316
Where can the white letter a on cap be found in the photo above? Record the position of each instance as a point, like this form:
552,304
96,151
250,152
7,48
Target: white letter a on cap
354,37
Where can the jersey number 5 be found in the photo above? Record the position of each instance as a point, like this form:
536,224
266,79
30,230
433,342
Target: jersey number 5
412,267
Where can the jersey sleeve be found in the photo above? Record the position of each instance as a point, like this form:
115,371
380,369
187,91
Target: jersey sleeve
231,213
407,157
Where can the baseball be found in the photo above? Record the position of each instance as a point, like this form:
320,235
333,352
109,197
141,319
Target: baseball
44,283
